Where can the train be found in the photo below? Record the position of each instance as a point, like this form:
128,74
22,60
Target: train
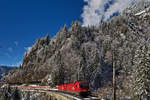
81,88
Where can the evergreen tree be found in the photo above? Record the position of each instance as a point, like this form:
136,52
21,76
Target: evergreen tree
142,72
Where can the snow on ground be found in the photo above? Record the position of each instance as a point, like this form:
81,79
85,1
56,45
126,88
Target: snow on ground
139,13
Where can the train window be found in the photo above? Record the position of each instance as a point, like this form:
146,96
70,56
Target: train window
84,86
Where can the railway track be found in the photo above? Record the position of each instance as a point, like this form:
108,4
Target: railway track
69,96
54,92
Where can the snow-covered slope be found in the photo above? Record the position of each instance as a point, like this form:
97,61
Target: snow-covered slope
139,7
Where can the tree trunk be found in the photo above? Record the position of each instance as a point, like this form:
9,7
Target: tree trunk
114,75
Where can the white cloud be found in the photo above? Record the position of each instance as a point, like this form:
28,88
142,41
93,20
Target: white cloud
95,10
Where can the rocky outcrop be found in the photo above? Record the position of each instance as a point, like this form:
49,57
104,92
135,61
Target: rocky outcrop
70,56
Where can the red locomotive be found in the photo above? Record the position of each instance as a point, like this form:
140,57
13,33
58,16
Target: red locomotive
78,87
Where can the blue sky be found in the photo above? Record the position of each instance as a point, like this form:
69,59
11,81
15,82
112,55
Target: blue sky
23,21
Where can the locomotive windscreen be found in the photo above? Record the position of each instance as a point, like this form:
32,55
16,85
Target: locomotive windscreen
84,86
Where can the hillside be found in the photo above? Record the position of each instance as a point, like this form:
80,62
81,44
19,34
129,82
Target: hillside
85,53
5,70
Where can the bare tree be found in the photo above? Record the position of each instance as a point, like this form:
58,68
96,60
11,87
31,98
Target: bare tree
114,75
114,61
